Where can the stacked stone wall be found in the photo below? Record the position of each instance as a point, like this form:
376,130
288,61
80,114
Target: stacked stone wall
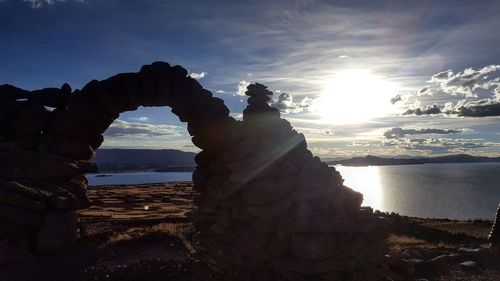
267,208
270,210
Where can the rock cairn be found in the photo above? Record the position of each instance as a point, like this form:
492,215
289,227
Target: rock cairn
267,209
494,237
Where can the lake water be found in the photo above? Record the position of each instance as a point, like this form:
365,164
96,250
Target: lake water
138,178
458,191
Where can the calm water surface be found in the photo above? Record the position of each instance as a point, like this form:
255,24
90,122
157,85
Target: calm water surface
458,191
138,178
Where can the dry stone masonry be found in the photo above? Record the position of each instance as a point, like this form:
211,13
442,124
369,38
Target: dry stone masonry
267,208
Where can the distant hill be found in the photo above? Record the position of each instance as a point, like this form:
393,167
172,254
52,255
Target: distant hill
380,161
158,160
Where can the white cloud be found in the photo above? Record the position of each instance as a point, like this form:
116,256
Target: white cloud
467,82
242,88
396,133
285,104
36,4
470,93
121,128
430,109
236,115
343,57
197,76
438,145
220,92
142,118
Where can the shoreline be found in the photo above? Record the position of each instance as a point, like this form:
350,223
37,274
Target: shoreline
120,239
159,184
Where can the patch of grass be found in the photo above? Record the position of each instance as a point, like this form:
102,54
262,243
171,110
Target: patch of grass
434,231
398,242
162,231
478,230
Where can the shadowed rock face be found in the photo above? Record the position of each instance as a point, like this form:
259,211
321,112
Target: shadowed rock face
267,209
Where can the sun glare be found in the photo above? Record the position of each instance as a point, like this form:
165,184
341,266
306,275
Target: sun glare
365,180
354,96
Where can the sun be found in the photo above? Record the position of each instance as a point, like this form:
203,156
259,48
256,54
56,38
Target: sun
354,96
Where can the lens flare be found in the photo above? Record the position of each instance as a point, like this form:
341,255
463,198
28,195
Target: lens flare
354,96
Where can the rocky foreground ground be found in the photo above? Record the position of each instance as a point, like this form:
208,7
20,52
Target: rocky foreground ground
143,232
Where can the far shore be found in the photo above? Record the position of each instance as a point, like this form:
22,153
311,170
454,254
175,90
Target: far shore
370,160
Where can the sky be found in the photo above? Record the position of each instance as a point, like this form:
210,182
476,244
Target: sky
387,78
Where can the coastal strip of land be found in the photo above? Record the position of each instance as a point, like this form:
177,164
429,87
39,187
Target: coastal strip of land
144,232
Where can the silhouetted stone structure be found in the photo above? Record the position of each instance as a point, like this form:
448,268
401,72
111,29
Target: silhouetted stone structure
494,237
267,209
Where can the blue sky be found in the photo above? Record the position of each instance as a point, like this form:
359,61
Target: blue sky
335,66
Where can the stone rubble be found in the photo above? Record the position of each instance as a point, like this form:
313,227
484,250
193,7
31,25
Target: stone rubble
267,208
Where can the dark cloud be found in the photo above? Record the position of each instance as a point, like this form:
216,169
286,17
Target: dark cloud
468,81
437,145
431,109
480,87
121,128
285,104
484,110
464,108
396,133
444,75
396,99
424,91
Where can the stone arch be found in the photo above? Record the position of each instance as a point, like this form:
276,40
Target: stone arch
267,209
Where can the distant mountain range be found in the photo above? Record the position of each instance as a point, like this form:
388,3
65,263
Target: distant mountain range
172,160
380,161
133,160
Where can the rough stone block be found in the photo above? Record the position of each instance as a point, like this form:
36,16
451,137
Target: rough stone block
13,251
266,191
270,210
314,246
27,164
120,88
26,191
58,232
73,149
66,124
14,199
21,215
95,91
30,121
13,231
86,109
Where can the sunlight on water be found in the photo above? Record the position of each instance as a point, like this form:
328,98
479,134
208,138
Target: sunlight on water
455,191
365,180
